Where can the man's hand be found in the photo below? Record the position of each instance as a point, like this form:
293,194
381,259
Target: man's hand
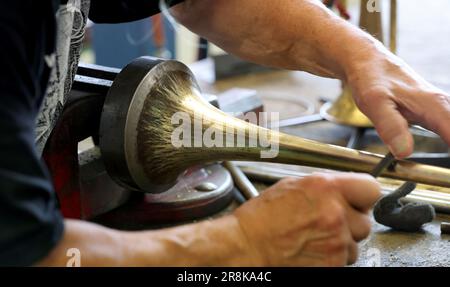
305,35
393,96
314,221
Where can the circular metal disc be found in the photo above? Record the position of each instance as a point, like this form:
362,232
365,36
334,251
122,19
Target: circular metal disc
120,117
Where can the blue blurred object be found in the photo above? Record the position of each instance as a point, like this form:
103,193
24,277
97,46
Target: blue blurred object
115,45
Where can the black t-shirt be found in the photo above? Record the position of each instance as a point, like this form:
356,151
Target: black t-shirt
30,221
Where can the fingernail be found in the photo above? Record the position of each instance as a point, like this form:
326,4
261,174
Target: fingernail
400,146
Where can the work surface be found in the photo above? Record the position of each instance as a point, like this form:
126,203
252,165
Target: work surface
427,248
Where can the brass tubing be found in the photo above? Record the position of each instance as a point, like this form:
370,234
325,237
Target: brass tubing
393,27
371,21
294,150
440,200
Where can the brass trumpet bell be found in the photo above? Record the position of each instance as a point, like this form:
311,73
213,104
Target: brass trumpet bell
139,122
345,112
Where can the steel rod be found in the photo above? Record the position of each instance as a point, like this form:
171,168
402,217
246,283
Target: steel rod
241,181
440,200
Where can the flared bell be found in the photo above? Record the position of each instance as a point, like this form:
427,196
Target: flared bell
345,112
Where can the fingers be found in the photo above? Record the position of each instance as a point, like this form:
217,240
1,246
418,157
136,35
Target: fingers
392,127
342,201
361,191
436,115
358,223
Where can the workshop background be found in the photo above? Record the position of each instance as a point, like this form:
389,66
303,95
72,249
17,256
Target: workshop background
423,41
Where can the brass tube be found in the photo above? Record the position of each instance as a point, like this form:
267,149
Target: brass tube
393,26
294,150
439,199
371,21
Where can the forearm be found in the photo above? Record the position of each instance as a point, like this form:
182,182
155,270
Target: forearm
218,242
298,35
215,242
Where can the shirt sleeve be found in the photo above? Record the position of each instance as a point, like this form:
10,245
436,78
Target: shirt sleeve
119,11
30,220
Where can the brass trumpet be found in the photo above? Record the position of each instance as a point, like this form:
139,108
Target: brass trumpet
138,126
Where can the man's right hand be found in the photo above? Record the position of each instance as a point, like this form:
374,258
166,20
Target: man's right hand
313,221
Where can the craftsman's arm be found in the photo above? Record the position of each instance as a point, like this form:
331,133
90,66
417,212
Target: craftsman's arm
305,35
207,243
297,222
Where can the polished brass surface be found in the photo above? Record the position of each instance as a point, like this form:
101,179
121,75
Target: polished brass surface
178,91
393,27
344,110
370,21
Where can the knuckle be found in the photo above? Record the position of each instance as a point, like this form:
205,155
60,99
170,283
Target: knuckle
321,181
287,187
441,98
310,180
286,183
288,180
442,108
333,218
370,96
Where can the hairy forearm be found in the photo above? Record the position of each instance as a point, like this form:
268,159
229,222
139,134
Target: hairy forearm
215,242
296,34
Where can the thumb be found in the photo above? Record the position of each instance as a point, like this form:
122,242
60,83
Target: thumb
392,127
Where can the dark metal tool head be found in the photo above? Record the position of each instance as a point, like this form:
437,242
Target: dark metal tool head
409,217
389,211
